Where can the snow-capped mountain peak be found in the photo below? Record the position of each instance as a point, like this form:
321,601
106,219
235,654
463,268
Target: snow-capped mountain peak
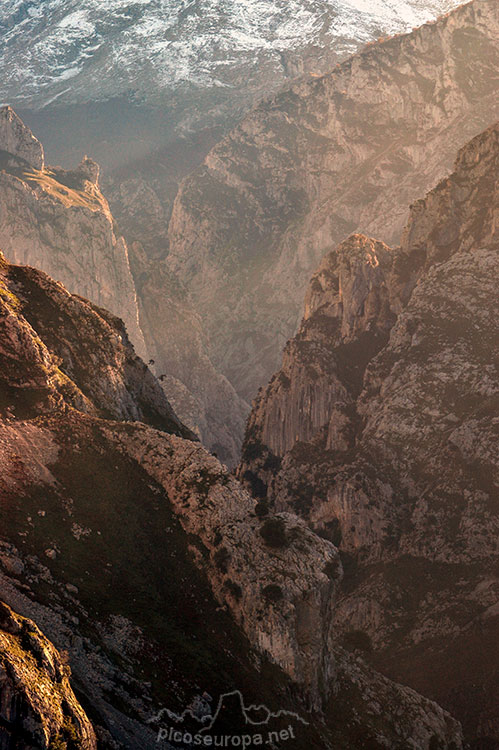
80,50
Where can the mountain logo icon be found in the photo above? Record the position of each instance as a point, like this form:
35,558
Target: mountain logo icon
229,705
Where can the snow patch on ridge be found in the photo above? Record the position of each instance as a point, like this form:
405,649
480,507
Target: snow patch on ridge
110,47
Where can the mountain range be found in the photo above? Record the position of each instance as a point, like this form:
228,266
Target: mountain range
135,572
227,250
330,255
69,52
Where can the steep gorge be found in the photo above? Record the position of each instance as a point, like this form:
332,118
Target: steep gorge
326,157
381,431
59,220
138,554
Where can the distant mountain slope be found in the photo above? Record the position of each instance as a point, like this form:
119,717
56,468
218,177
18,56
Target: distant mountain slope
326,157
77,51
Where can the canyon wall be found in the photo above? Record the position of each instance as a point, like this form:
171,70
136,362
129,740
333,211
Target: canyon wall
137,553
327,156
58,220
381,430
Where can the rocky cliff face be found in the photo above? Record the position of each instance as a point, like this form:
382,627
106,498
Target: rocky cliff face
381,431
58,220
328,156
78,356
136,551
38,708
16,139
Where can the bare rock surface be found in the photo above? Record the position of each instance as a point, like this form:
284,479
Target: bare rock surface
138,553
75,354
59,221
37,705
17,139
328,156
381,430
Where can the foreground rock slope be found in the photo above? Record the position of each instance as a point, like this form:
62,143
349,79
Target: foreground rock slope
136,551
38,707
381,431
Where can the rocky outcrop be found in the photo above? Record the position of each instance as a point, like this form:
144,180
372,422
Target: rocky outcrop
59,221
17,139
348,317
390,389
329,156
249,558
38,708
142,557
75,354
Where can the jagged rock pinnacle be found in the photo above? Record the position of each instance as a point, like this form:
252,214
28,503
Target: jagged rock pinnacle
18,140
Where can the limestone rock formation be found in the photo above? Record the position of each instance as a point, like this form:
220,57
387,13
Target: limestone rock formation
79,355
38,708
326,157
381,431
138,553
89,169
59,221
347,313
17,139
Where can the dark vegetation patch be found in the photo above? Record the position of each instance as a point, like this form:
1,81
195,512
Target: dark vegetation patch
222,559
273,532
262,509
257,486
234,589
252,449
272,593
272,463
357,640
332,569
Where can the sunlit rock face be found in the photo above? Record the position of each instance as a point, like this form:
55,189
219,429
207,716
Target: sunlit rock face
78,355
145,561
59,220
37,705
327,157
17,139
381,430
